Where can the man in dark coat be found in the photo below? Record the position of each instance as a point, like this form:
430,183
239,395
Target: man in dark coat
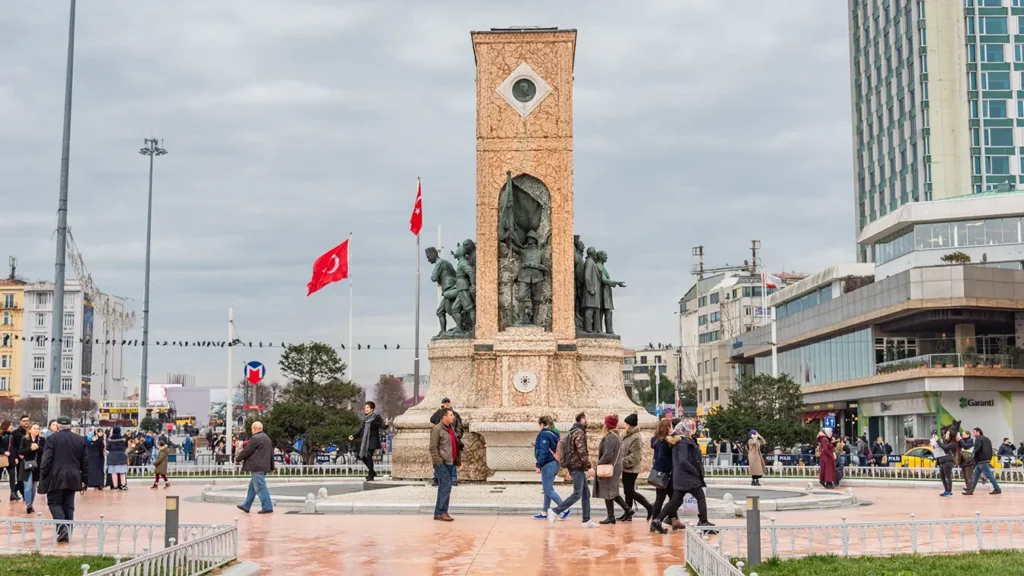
368,436
257,458
16,438
446,403
62,473
982,462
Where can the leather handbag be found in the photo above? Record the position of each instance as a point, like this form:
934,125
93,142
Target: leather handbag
657,479
4,462
608,470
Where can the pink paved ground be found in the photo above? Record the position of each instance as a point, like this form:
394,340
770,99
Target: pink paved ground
479,545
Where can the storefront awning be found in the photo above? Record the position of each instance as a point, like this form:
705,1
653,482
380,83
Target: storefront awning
817,415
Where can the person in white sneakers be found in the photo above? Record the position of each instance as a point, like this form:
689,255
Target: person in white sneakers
577,460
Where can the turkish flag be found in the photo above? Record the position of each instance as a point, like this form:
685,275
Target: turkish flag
416,222
331,267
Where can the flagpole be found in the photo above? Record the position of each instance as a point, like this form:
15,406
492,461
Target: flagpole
440,251
416,341
351,345
228,417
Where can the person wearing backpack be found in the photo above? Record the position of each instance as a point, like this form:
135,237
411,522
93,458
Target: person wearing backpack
576,459
544,450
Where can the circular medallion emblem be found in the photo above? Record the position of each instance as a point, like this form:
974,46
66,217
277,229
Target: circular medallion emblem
524,381
524,90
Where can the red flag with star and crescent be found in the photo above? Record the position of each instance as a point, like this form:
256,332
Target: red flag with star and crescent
332,266
416,221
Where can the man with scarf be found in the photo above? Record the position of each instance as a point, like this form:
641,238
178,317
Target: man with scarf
446,404
369,438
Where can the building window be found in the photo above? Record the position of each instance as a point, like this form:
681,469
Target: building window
702,320
706,366
67,344
714,298
40,319
5,341
8,300
67,364
700,396
989,25
7,319
69,300
714,364
37,384
716,393
3,384
994,108
643,359
997,165
39,362
699,365
39,341
69,321
657,360
43,299
5,361
989,53
746,310
993,136
65,384
995,80
715,317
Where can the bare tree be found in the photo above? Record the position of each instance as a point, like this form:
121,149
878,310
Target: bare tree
389,393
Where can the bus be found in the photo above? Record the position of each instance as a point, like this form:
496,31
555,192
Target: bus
125,413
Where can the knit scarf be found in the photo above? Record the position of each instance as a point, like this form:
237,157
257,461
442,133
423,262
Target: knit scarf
364,442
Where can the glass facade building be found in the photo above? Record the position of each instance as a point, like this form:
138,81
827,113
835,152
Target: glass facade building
947,235
837,359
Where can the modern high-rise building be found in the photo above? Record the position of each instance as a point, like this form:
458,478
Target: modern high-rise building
937,98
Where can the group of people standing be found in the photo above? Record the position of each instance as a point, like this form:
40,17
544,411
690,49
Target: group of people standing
971,451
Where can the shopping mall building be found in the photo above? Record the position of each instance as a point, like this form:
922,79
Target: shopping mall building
900,346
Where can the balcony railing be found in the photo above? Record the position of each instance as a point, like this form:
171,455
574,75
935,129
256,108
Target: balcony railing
946,360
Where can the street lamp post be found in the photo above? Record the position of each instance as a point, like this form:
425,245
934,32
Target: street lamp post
151,149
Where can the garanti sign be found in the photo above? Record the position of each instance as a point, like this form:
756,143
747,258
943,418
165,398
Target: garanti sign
971,403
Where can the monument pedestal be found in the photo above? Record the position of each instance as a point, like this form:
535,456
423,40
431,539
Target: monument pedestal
501,387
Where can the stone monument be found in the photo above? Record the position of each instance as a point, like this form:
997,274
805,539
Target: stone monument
526,342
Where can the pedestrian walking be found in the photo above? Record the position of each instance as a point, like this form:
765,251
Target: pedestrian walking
632,454
444,454
369,438
576,459
160,465
188,447
9,458
826,459
609,470
755,458
982,462
687,477
257,458
95,448
547,465
661,471
944,449
117,459
62,474
31,453
459,430
17,435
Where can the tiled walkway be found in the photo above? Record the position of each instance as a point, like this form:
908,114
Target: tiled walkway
293,544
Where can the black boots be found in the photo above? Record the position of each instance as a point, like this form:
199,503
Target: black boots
657,527
608,520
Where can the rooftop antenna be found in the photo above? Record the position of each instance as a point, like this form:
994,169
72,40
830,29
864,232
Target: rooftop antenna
13,263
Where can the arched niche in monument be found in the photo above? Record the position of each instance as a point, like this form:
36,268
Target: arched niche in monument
524,253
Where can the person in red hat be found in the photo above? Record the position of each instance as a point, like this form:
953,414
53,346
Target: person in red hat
609,471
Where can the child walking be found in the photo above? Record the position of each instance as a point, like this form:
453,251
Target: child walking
160,466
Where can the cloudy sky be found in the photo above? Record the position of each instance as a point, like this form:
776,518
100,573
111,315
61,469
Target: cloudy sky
291,124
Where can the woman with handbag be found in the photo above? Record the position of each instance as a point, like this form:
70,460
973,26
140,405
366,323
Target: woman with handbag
31,451
687,478
9,457
116,448
631,456
609,470
661,472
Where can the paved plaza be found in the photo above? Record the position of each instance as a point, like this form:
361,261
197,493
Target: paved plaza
416,545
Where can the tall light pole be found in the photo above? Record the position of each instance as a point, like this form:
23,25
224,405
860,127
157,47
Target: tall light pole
57,319
151,149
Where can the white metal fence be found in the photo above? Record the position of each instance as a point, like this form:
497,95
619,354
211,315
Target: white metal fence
707,560
1009,475
232,470
885,538
191,558
93,537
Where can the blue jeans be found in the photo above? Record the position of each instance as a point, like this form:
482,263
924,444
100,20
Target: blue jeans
986,469
455,474
548,472
580,490
30,488
258,487
443,473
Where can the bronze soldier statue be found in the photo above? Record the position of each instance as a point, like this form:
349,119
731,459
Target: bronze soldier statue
444,276
591,292
579,285
607,306
531,278
465,286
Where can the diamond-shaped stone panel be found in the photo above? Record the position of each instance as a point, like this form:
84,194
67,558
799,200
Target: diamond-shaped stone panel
521,72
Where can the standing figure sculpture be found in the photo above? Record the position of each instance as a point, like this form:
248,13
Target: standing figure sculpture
530,282
465,287
578,276
444,276
607,306
591,292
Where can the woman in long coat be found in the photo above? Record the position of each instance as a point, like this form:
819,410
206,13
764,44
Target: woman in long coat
610,453
826,459
754,458
95,453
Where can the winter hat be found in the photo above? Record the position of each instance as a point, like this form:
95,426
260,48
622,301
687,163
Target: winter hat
631,420
611,421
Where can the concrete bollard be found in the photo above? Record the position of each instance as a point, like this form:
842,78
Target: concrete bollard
321,494
309,506
753,530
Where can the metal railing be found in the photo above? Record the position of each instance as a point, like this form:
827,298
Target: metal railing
93,537
705,559
191,558
946,360
858,472
233,470
886,538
